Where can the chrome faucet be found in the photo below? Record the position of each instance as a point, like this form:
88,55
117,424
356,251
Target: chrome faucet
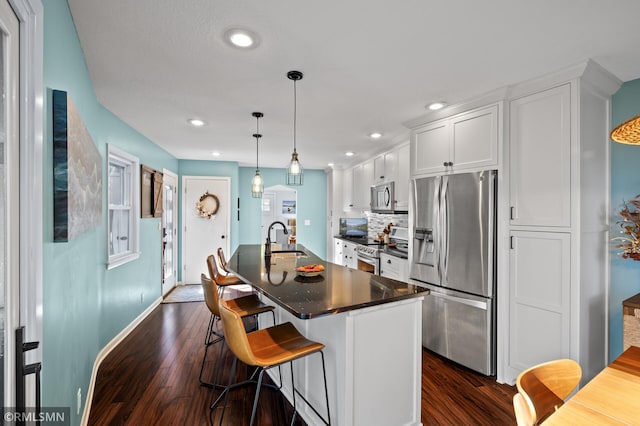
267,244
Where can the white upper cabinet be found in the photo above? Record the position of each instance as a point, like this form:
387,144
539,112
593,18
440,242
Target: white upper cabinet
431,148
361,186
464,141
384,168
474,139
540,158
403,178
347,190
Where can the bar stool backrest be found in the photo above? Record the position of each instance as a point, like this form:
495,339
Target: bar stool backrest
544,387
214,272
235,334
222,259
210,294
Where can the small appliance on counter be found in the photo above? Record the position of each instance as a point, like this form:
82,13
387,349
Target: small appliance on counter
353,227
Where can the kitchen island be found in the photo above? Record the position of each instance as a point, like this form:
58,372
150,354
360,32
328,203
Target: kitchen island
370,325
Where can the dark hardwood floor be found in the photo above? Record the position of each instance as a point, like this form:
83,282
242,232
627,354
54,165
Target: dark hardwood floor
151,378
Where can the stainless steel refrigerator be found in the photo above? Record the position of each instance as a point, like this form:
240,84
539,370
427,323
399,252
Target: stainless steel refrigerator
453,254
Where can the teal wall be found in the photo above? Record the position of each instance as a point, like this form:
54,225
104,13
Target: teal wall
625,184
312,206
84,305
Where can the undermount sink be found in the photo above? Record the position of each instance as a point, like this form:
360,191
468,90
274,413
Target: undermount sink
285,254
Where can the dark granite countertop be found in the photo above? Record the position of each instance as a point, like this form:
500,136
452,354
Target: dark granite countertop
337,289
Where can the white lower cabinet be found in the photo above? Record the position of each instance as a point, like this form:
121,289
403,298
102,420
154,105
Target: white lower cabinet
349,254
540,293
337,251
394,267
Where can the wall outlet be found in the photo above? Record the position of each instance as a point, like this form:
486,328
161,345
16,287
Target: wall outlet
307,222
79,401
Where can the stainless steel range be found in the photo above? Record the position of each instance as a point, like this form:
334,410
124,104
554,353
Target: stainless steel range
369,257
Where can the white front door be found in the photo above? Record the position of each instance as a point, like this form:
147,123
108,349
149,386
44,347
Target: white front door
203,235
9,198
170,230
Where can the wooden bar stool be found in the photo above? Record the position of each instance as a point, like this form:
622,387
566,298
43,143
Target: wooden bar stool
244,306
268,348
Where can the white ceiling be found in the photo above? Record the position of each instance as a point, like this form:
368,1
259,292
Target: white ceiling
369,65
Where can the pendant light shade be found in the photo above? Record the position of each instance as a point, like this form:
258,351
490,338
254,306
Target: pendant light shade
294,170
257,186
628,132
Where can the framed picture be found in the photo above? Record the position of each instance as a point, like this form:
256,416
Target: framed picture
288,207
150,192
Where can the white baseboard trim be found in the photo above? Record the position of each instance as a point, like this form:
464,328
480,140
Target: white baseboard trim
106,350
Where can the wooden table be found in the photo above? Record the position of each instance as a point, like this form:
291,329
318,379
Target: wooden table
610,398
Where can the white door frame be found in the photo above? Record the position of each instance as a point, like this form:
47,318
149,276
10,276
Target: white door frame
31,16
174,177
183,211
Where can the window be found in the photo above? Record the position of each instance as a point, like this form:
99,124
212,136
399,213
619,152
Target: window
124,207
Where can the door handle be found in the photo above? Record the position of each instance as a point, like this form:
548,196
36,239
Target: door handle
222,236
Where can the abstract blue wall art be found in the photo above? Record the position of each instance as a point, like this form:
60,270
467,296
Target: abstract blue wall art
77,173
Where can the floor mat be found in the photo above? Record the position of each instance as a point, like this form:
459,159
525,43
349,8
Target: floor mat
185,293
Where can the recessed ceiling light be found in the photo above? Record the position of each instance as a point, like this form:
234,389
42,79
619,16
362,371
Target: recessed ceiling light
215,154
330,164
243,39
375,135
196,122
349,154
434,106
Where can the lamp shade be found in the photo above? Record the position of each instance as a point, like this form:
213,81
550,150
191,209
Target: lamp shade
628,132
257,186
295,174
294,170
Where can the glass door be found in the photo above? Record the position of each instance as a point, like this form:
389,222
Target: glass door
170,231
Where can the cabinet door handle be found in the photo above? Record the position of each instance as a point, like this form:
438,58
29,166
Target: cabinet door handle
512,213
388,260
445,164
450,163
511,242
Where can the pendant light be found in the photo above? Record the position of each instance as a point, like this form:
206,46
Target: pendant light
628,132
294,171
257,186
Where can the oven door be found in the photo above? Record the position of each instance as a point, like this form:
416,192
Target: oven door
368,264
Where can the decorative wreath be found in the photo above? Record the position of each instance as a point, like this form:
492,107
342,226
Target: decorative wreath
208,205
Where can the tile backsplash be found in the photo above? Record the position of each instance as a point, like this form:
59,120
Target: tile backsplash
377,221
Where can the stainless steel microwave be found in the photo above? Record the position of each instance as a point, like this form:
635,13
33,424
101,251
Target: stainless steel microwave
383,198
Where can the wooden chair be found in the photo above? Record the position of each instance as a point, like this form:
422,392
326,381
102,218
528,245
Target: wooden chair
268,348
543,388
244,306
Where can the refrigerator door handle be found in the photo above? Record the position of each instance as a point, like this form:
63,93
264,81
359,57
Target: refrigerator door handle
469,302
437,234
444,230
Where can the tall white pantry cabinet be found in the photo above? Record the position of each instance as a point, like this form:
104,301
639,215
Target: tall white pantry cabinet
557,158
